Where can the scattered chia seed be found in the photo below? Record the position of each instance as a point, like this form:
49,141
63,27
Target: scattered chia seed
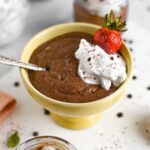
89,59
134,77
120,115
16,84
129,96
35,133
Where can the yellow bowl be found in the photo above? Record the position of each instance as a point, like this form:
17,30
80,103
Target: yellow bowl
72,115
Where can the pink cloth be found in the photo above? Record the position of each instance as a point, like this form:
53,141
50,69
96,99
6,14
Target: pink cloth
7,105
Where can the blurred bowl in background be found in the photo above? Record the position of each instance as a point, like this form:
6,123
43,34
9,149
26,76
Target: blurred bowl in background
13,15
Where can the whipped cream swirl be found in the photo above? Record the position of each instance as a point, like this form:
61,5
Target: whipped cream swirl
99,68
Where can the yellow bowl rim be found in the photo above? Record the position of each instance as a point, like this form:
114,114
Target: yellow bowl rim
115,93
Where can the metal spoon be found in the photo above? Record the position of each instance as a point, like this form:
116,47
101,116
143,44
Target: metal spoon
8,61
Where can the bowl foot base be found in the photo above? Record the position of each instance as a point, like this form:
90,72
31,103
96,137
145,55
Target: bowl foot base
76,123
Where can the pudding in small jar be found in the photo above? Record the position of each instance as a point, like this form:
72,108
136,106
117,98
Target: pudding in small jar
93,11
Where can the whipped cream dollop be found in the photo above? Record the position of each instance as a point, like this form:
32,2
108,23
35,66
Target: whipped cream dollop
99,68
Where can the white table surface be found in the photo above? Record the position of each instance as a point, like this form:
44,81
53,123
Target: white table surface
125,131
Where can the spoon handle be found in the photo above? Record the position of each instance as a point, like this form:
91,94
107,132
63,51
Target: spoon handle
8,61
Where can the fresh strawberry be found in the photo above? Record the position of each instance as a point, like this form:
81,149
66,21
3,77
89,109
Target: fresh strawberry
108,37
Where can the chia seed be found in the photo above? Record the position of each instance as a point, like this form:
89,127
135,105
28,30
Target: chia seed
35,133
89,59
120,115
16,84
129,96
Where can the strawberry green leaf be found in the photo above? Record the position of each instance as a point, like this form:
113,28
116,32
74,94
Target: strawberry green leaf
114,23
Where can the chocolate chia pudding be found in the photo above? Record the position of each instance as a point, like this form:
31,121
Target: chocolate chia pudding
61,81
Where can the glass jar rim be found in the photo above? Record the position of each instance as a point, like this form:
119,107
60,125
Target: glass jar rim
45,139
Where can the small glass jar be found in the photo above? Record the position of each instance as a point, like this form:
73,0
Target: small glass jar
12,19
93,11
49,142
